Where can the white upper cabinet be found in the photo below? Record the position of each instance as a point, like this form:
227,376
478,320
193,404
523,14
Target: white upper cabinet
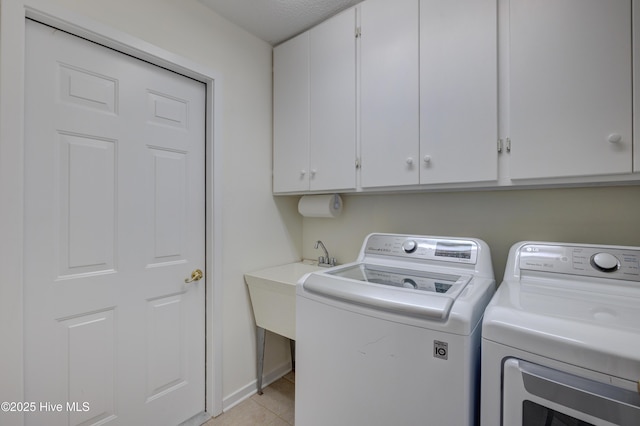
459,94
389,93
314,107
458,91
332,78
291,115
570,88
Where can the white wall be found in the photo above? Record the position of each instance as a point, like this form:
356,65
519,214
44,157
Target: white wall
258,231
607,215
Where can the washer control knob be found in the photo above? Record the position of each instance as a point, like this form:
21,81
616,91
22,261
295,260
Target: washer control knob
409,246
409,283
605,262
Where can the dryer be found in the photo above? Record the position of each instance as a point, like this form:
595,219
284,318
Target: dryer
561,338
394,337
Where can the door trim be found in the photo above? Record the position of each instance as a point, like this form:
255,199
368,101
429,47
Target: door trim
12,53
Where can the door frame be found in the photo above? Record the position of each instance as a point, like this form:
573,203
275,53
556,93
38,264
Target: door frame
13,14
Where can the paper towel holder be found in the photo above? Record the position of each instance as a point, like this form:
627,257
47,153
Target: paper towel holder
327,205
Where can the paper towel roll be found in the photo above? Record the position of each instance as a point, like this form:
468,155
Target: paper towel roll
320,205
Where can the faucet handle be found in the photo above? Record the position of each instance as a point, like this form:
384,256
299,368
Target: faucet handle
324,260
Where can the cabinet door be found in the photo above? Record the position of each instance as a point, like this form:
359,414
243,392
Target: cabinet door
570,88
291,115
333,103
389,93
458,91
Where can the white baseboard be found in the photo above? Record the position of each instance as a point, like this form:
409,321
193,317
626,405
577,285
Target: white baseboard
251,389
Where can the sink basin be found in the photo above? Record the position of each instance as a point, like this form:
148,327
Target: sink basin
273,295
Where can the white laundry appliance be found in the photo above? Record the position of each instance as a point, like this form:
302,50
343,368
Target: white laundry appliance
561,338
394,337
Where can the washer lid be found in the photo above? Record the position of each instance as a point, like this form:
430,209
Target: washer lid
401,278
420,293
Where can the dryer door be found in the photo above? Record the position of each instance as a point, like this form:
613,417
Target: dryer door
536,395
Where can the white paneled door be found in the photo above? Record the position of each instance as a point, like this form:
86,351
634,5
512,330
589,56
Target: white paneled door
114,213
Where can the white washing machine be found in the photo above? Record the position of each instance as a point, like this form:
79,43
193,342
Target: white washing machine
561,338
393,338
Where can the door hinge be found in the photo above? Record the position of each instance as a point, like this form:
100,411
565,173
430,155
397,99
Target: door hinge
358,163
358,32
504,143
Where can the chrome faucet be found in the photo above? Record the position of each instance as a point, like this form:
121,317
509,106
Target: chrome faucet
324,260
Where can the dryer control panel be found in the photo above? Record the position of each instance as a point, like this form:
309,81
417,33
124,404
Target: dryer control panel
423,248
589,260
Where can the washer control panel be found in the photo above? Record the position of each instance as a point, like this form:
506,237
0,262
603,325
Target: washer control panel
595,261
423,248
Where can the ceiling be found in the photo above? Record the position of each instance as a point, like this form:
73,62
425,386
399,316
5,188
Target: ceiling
275,21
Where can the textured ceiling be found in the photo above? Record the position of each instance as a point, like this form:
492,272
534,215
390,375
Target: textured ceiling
275,21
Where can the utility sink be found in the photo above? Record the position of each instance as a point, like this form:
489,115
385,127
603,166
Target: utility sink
273,295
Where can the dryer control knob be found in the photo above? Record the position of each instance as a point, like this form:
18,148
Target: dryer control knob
605,262
409,246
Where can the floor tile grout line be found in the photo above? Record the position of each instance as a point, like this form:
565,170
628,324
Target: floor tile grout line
272,412
263,404
266,406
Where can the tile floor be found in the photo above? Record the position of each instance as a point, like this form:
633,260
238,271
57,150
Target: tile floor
273,408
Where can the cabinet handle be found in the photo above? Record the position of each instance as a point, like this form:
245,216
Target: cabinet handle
303,172
615,138
410,161
427,159
313,172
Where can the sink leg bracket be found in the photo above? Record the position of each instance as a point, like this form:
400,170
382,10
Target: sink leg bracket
260,334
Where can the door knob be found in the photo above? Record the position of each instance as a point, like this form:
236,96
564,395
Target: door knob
195,276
